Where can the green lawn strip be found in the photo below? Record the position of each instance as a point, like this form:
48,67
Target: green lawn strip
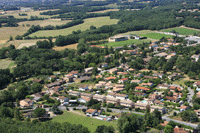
156,35
182,31
83,120
127,42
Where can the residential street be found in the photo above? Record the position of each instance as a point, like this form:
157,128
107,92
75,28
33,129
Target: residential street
190,95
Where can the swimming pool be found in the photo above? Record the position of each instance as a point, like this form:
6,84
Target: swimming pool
144,101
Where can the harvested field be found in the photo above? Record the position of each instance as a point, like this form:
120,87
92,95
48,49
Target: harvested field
72,46
104,11
25,45
5,63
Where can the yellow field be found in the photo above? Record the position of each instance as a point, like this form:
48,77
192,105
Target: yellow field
72,46
98,22
31,13
45,22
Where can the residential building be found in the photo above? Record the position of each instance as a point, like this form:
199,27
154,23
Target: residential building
173,76
147,84
102,65
140,94
118,87
26,103
86,70
100,98
117,38
162,86
198,94
172,99
121,96
111,94
183,108
197,112
138,88
136,81
62,99
74,93
112,71
141,105
139,75
112,100
82,79
91,112
179,130
127,103
83,87
123,80
160,75
160,109
36,97
195,57
87,95
109,78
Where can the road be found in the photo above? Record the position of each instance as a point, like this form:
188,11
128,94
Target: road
165,117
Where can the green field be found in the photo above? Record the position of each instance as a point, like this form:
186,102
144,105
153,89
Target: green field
156,36
98,22
182,31
83,120
127,42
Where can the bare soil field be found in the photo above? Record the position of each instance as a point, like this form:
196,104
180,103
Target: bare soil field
72,46
104,11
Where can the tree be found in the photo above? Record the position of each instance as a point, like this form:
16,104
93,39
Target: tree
11,38
105,129
168,129
17,114
36,87
56,110
39,112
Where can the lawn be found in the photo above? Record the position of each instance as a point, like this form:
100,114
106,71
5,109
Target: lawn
183,30
156,36
83,120
98,22
127,42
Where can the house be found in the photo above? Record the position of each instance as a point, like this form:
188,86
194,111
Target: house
121,73
98,76
160,109
87,95
83,88
139,75
183,108
146,60
133,52
174,88
111,94
82,79
136,81
74,73
127,103
179,130
107,56
154,96
112,100
57,89
62,99
121,96
69,78
91,112
109,78
150,77
74,93
140,94
162,86
147,84
158,75
173,76
163,54
152,46
118,87
118,38
102,65
138,88
157,102
197,112
108,85
123,80
84,100
51,85
198,94
172,99
197,85
112,71
100,98
195,57
26,103
36,97
86,70
141,105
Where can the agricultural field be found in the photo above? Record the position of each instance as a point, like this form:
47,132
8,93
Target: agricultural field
72,46
17,43
183,30
108,10
80,118
98,22
156,36
45,22
29,14
127,42
6,63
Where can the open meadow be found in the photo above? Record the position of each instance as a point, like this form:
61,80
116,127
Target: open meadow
98,22
183,30
72,46
80,118
6,63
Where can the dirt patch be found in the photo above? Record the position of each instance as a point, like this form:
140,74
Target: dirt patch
25,45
